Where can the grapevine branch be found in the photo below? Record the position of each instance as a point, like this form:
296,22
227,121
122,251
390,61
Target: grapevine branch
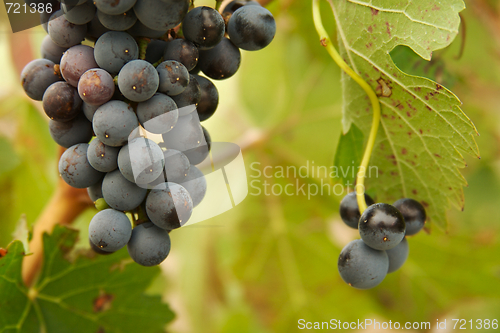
327,43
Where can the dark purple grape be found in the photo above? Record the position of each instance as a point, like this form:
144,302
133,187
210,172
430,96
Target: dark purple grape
96,86
95,29
398,255
174,77
37,76
76,61
101,157
158,114
113,123
413,213
51,51
251,28
209,98
89,110
149,245
362,267
203,26
64,33
114,49
381,226
61,102
75,169
161,15
70,133
222,61
138,80
182,51
349,210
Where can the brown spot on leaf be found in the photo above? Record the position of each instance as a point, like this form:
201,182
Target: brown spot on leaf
437,155
425,204
421,132
370,29
103,302
404,151
374,11
414,191
388,28
3,253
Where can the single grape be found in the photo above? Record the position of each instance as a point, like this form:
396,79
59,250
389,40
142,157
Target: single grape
169,206
95,191
174,77
61,102
102,158
81,14
89,110
362,267
222,61
158,114
75,169
349,210
138,80
381,226
189,98
63,33
96,86
114,7
70,133
200,153
176,166
37,76
119,22
186,134
110,230
51,51
76,61
161,15
113,123
114,49
121,194
155,50
140,30
183,51
196,184
203,26
95,29
149,245
414,214
398,255
209,98
141,161
251,28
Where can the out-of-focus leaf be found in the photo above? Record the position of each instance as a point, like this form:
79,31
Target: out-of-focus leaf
84,294
348,156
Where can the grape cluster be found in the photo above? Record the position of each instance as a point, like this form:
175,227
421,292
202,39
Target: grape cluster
383,247
115,76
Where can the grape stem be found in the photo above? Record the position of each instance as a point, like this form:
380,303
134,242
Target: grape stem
327,43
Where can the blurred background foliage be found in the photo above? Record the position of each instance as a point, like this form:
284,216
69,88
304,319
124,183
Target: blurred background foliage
273,259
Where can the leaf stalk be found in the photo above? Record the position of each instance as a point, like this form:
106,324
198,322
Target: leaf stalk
327,43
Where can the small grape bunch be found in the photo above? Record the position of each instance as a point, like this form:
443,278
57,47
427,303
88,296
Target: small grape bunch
383,247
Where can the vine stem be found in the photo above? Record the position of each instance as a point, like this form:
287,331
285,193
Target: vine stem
217,4
327,43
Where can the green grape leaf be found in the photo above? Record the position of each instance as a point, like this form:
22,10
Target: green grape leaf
81,294
348,156
423,132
